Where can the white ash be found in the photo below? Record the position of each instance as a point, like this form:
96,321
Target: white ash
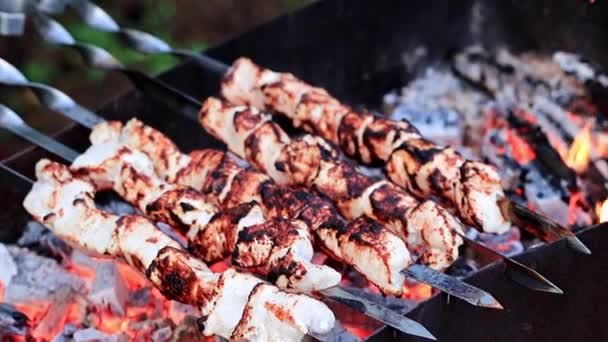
162,334
82,259
184,310
94,335
150,326
545,198
8,268
67,333
38,277
439,105
109,289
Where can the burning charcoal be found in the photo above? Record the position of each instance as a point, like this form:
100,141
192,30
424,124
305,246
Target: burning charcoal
188,331
12,322
52,322
162,334
67,333
38,278
145,329
178,311
8,269
140,298
109,289
508,243
93,335
38,238
545,197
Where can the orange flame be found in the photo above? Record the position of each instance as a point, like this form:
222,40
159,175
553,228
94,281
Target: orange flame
601,209
579,154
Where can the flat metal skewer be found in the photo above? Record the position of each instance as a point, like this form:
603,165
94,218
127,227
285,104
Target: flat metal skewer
189,107
95,17
12,122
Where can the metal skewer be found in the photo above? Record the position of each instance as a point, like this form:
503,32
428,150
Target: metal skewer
189,107
12,20
95,17
13,123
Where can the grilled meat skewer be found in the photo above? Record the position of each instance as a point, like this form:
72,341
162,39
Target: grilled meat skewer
13,123
190,107
358,243
281,247
427,229
236,305
422,167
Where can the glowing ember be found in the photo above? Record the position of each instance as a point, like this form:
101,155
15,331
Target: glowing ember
580,151
520,149
35,311
417,292
601,209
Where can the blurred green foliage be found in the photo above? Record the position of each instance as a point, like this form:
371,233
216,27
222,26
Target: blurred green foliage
153,21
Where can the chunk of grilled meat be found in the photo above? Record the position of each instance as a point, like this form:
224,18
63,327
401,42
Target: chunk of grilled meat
228,300
212,235
411,161
376,253
428,230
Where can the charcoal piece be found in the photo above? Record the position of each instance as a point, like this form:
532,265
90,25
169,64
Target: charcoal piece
51,323
12,321
94,335
162,335
38,278
109,289
41,240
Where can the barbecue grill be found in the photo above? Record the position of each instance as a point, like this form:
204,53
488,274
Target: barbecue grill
359,52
